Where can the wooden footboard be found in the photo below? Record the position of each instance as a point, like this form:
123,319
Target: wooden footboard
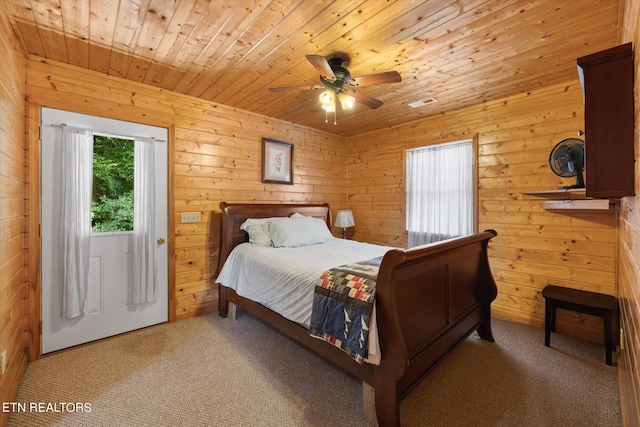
428,299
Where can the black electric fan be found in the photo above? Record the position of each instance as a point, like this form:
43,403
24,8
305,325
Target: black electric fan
567,160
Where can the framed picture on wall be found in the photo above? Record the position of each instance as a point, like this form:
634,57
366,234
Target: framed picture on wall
277,161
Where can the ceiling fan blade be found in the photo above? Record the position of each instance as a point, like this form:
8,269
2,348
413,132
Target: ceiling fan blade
367,100
321,64
294,88
378,79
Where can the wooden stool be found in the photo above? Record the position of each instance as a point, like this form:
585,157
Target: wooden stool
596,304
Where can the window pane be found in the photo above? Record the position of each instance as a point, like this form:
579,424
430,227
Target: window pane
112,204
439,192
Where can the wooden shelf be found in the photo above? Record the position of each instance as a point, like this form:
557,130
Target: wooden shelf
594,204
571,199
570,194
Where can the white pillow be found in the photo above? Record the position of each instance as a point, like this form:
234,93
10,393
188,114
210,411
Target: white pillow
320,225
294,232
258,231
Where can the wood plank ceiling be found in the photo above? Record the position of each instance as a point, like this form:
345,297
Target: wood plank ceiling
461,52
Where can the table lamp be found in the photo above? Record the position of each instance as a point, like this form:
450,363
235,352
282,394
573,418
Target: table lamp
344,219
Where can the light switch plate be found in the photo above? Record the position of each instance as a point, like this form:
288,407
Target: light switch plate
190,217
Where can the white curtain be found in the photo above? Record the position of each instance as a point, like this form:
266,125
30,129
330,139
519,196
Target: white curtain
439,192
76,185
144,288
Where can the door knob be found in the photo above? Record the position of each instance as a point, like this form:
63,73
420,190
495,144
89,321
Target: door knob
161,241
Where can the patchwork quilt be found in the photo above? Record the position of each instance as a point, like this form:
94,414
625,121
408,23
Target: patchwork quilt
342,305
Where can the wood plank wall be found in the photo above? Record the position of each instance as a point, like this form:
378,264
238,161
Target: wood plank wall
629,259
534,247
216,157
13,213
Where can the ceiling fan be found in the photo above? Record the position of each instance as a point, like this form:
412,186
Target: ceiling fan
339,85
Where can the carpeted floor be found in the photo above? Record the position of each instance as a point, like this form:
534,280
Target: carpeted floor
210,371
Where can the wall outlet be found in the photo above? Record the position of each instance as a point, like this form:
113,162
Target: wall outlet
190,217
4,361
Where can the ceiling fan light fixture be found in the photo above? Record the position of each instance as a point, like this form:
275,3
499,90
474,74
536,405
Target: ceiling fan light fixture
346,101
328,99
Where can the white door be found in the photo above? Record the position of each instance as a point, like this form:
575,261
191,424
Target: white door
110,265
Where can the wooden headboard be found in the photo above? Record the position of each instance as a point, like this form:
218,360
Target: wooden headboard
234,214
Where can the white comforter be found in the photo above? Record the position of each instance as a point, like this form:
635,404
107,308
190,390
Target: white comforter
283,279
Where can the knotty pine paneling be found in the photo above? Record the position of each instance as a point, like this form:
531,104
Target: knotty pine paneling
14,257
534,247
228,51
629,249
217,156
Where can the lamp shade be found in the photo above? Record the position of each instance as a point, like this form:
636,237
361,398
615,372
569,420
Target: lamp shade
327,99
347,101
344,219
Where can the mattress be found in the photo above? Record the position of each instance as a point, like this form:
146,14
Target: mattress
283,279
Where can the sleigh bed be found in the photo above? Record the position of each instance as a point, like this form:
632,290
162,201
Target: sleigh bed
427,300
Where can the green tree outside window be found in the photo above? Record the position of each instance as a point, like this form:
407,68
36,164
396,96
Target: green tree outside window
113,166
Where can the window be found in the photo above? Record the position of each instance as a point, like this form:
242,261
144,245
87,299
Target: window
439,193
113,167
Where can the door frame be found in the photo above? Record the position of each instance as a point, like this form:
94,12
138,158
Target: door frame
33,161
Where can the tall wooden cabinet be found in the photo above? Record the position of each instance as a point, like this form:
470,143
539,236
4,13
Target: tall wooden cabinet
607,84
